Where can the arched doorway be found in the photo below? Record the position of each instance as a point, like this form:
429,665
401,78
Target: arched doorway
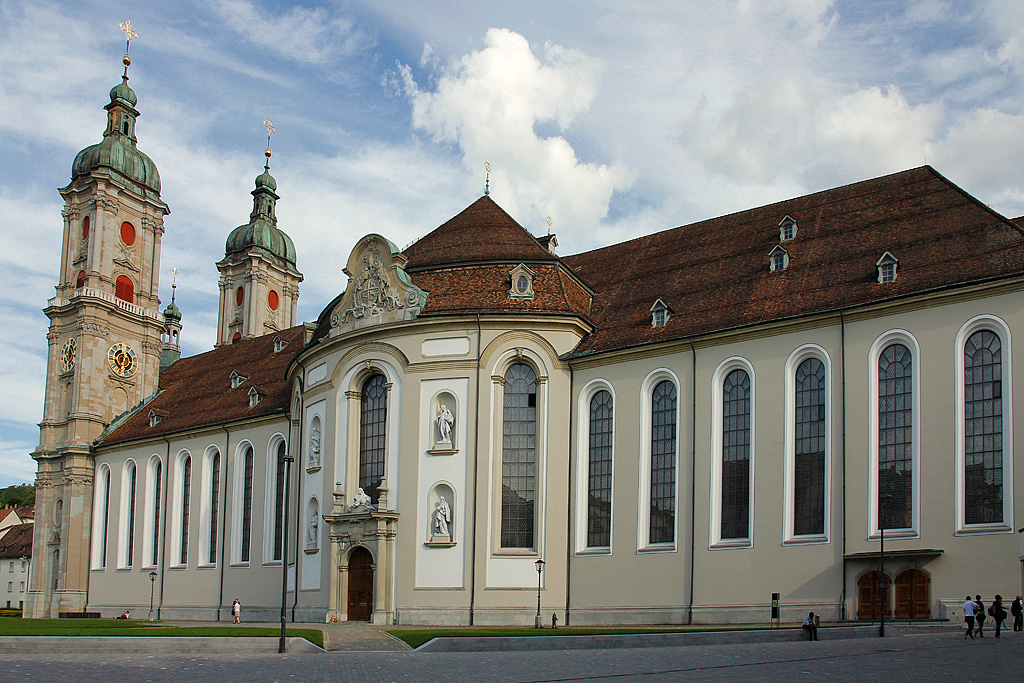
912,595
868,602
360,585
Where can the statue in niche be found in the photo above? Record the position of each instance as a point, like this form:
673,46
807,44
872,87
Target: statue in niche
314,447
442,517
360,500
313,530
445,422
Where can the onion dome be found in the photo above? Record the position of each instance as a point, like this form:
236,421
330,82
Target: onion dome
171,313
261,232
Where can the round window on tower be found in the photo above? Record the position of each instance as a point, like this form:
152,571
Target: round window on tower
273,300
85,228
128,233
239,296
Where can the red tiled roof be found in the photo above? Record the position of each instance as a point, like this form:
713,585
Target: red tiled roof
715,274
17,542
196,392
482,232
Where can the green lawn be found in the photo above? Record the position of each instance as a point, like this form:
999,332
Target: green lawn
15,626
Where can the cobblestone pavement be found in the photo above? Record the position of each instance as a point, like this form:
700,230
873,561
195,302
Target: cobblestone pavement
942,656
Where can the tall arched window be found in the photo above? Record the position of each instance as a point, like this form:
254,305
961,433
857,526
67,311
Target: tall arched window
735,498
279,502
372,434
186,500
246,503
102,518
519,457
124,289
81,279
211,551
663,463
128,498
895,437
599,475
983,428
809,442
157,470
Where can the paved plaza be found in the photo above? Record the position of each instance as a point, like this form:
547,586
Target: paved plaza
930,656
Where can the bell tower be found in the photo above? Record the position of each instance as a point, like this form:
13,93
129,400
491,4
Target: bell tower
259,283
104,340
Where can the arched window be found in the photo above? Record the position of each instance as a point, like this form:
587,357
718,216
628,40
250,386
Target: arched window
983,428
85,228
236,337
128,498
895,437
735,499
246,503
186,500
519,457
127,231
211,552
124,289
102,506
81,280
239,296
279,502
809,460
663,463
157,470
599,475
372,434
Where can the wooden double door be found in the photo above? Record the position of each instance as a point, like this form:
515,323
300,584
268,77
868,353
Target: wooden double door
912,596
360,585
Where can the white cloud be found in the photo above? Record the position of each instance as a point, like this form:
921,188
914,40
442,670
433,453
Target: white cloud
491,103
16,465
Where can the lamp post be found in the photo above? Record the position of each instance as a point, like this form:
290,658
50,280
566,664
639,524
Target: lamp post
540,570
882,498
286,461
152,586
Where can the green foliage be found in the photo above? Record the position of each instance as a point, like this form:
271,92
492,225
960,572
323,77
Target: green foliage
21,495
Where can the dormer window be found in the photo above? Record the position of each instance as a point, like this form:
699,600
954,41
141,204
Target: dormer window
154,419
254,397
887,268
778,259
522,282
279,344
237,380
660,313
787,229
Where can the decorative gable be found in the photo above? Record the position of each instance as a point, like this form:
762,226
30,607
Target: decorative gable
279,344
787,229
379,290
154,419
660,313
521,278
778,259
254,397
237,380
887,268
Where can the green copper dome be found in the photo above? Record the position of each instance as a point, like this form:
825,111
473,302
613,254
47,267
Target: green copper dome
171,313
117,155
261,232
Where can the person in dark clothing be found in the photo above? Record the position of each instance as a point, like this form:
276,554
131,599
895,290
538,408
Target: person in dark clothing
997,612
1017,610
811,626
979,616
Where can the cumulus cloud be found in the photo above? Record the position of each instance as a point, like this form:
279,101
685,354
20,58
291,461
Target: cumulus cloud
492,102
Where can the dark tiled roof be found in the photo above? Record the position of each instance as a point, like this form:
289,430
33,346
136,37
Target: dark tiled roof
482,232
196,392
17,542
715,274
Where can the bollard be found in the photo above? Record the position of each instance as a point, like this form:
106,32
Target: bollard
554,620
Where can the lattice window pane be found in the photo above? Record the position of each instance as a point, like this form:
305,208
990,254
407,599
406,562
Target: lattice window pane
186,500
809,465
736,455
663,463
214,508
599,480
247,505
372,435
519,457
983,427
895,437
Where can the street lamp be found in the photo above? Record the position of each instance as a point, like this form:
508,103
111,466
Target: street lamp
540,570
152,586
882,498
286,461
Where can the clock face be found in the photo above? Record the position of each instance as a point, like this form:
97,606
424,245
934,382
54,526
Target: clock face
122,360
67,355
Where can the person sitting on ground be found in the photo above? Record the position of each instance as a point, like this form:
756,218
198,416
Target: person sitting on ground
811,626
124,615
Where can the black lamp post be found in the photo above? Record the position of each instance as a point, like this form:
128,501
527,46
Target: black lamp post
540,570
882,498
286,461
152,586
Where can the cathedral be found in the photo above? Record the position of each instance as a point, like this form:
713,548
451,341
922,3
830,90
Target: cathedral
478,430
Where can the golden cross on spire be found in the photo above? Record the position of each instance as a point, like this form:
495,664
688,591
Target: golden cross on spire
174,280
269,123
487,184
129,35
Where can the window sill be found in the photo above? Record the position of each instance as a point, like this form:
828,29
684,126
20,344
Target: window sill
178,567
895,534
272,563
239,564
515,552
732,543
658,548
208,565
815,539
983,529
593,551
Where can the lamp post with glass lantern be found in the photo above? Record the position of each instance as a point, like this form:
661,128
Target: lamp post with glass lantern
540,570
286,461
152,587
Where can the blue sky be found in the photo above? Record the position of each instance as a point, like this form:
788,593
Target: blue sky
615,118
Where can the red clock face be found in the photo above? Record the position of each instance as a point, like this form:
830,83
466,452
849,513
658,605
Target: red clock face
122,360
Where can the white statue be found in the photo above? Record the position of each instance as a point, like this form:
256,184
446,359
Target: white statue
313,532
360,499
314,447
442,516
445,421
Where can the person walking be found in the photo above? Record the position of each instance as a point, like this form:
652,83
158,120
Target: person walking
236,611
997,612
1017,610
969,617
979,616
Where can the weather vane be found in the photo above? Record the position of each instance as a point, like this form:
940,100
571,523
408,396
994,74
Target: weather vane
487,184
269,123
549,224
129,35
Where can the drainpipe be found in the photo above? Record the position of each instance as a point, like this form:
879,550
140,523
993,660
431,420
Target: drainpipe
570,518
842,360
224,517
476,475
298,487
693,473
163,534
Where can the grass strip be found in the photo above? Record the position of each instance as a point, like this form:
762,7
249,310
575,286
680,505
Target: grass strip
416,637
130,628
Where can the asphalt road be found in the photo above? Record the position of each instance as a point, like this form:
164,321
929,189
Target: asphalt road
927,657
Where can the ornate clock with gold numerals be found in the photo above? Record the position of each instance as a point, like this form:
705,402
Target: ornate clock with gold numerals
67,355
122,360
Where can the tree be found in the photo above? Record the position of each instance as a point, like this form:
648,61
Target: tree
21,495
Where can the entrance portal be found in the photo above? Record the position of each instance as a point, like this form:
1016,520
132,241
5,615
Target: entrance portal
912,595
868,602
360,585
